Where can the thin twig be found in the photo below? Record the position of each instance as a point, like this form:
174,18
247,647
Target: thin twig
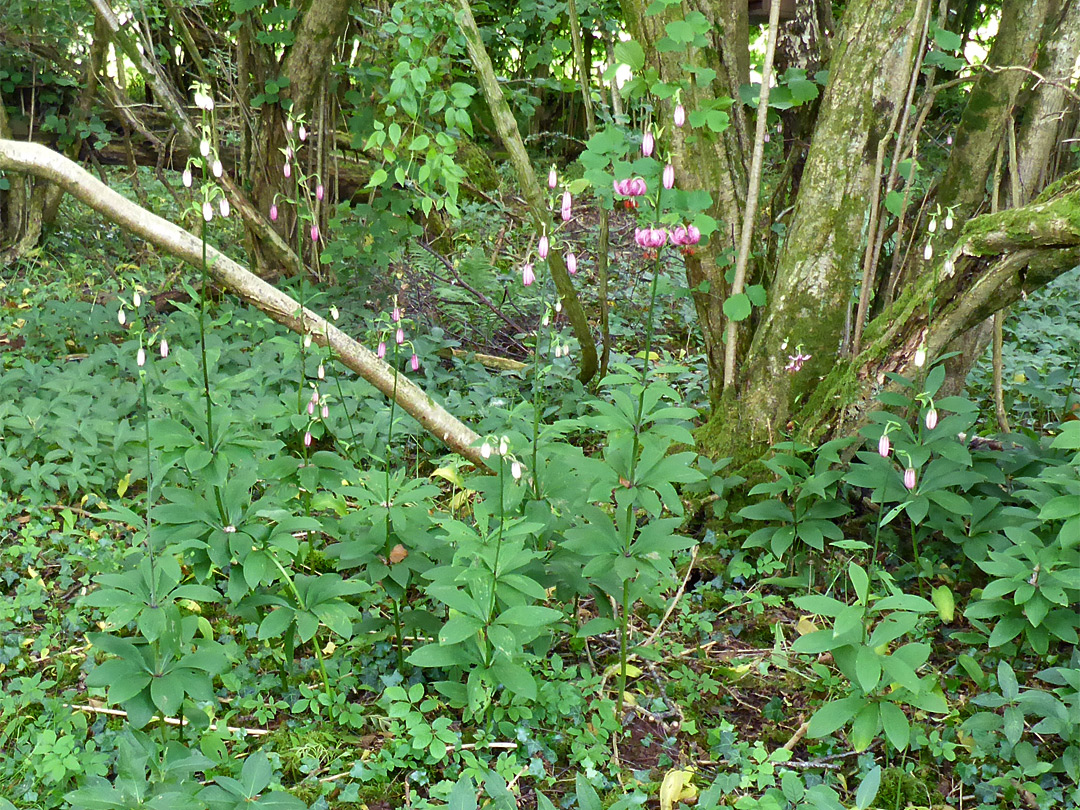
675,601
172,721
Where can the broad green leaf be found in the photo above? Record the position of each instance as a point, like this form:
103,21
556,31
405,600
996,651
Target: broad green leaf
738,307
868,789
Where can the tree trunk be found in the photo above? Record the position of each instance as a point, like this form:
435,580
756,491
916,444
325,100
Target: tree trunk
868,78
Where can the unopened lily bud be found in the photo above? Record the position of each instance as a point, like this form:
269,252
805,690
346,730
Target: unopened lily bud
320,192
140,358
928,252
948,222
527,274
207,211
325,411
186,178
307,438
669,176
504,445
553,178
307,341
204,147
932,227
648,142
399,336
515,470
381,351
311,407
931,419
321,372
288,125
909,478
334,313
287,170
273,213
883,445
571,263
566,203
136,299
302,133
680,115
414,361
395,316
223,207
543,248
121,316
485,450
217,168
920,357
314,233
164,348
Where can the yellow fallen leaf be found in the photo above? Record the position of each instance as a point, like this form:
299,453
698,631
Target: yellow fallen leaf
122,485
805,626
676,787
450,474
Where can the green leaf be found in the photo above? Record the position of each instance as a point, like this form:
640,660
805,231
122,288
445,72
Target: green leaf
867,668
630,53
868,789
463,795
738,307
1007,682
529,616
865,727
587,797
459,628
860,580
947,40
897,728
435,655
894,203
833,715
516,679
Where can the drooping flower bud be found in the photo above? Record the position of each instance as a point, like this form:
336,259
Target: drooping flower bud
693,235
543,248
287,170
909,478
223,207
207,211
186,177
928,252
680,115
302,133
121,316
217,168
273,213
399,336
136,299
553,177
334,313
948,222
381,352
307,341
527,274
307,438
566,203
164,348
311,407
669,176
485,450
883,445
571,263
321,372
325,411
931,419
515,470
395,316
648,143
140,357
320,192
314,233
288,125
504,445
204,147
414,361
920,357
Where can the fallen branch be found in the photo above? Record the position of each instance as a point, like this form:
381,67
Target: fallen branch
172,721
38,160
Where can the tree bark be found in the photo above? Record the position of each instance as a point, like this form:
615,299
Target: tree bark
868,78
39,161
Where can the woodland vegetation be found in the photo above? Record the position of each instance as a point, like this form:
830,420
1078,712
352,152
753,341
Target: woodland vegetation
561,403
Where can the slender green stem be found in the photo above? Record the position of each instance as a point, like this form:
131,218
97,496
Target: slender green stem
398,632
537,405
498,550
202,347
149,497
300,604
